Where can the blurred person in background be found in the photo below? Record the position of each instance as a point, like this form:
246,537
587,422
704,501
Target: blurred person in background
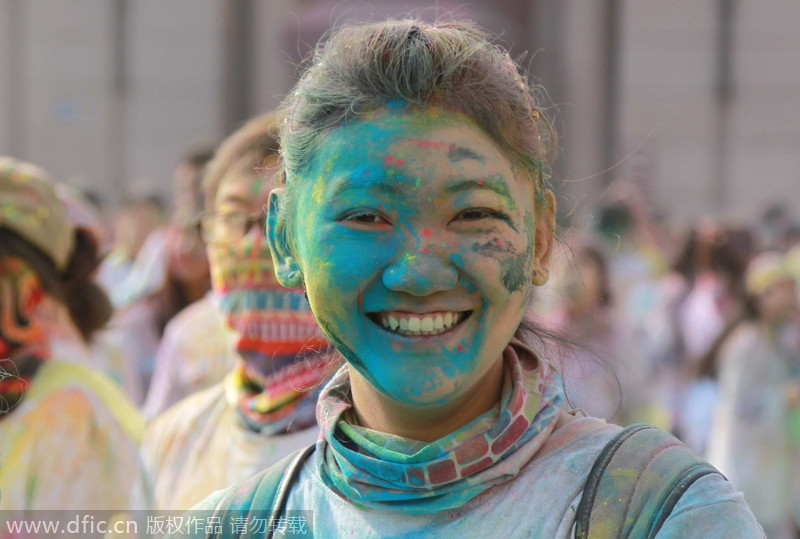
169,273
632,243
263,409
713,298
69,435
678,318
753,441
602,371
197,348
107,354
132,226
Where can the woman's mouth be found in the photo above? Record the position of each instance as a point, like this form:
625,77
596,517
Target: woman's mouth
418,324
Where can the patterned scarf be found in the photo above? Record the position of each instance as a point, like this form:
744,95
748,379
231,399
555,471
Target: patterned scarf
396,474
23,342
274,386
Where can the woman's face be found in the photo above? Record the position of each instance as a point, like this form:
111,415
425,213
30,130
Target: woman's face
416,239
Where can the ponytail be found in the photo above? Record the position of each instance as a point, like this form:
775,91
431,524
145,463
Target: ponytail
88,305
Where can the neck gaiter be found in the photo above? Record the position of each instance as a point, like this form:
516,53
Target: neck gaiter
280,344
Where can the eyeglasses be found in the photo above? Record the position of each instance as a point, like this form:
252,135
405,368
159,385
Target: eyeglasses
217,227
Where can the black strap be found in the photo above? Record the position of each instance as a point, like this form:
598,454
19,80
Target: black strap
674,493
269,489
285,487
596,474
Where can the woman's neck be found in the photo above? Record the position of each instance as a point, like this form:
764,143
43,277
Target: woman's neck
378,412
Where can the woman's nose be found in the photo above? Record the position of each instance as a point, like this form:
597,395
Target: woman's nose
420,273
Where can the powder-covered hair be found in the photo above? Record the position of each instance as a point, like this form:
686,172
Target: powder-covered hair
251,147
452,65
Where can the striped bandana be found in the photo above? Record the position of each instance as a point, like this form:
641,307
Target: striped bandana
279,340
23,343
400,475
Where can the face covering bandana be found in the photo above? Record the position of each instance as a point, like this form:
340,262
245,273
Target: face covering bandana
276,384
23,342
399,475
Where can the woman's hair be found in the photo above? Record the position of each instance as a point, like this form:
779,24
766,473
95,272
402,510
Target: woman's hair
253,146
452,65
87,303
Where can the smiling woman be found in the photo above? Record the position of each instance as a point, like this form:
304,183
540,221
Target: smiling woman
415,215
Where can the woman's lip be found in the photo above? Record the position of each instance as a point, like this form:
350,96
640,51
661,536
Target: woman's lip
416,313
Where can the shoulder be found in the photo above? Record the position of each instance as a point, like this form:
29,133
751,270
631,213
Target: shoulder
711,507
260,491
644,479
186,416
87,393
68,428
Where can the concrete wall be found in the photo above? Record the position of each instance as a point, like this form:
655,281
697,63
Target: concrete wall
668,112
113,106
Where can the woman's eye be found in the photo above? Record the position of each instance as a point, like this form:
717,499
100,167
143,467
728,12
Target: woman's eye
476,214
364,218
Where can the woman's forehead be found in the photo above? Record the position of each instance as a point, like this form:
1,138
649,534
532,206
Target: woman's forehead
419,134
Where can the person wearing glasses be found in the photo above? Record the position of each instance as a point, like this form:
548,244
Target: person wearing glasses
264,406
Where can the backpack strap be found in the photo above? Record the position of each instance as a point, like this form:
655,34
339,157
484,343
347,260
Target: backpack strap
634,484
263,496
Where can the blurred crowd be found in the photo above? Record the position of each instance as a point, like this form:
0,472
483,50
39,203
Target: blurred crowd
694,328
691,327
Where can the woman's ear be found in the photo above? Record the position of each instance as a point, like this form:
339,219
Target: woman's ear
543,242
286,269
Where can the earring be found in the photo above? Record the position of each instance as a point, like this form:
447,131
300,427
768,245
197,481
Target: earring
540,278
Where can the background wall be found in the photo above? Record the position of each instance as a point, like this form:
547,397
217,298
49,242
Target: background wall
697,101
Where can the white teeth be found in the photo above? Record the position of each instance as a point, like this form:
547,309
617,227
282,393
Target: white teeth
425,325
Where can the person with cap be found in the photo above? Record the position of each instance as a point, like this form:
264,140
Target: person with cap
259,338
68,434
752,440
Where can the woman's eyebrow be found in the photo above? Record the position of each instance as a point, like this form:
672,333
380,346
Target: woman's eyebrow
459,153
454,152
491,183
341,186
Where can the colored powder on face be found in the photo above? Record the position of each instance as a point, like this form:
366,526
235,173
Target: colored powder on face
427,232
343,349
514,273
